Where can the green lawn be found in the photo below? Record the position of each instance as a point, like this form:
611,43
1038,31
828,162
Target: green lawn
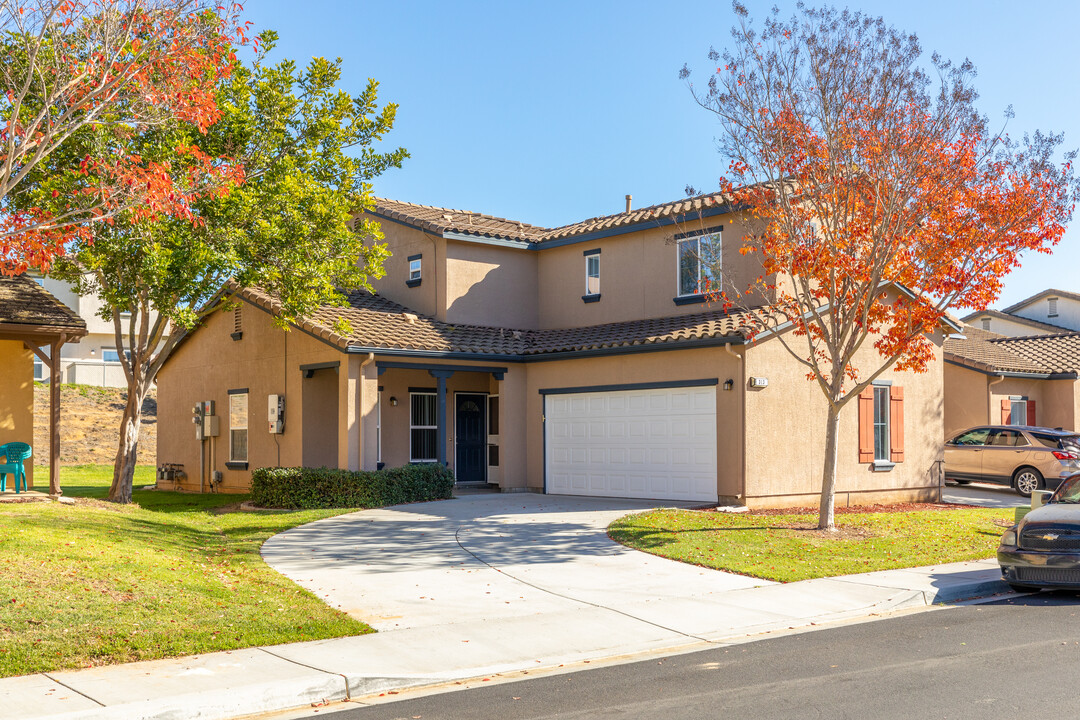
96,583
773,547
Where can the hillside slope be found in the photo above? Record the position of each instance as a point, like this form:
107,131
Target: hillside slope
90,424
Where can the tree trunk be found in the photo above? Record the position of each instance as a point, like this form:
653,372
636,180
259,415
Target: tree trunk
128,449
828,475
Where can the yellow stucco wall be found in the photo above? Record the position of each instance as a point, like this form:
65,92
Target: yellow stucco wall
17,403
429,298
785,435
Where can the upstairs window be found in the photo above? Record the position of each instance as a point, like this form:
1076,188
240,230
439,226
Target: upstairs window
699,265
414,271
592,274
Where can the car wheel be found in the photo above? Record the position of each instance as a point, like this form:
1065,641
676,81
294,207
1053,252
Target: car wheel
1026,481
1024,588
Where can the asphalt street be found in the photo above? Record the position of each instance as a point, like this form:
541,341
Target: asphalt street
1013,658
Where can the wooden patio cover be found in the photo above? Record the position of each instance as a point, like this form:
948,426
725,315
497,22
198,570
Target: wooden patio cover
31,314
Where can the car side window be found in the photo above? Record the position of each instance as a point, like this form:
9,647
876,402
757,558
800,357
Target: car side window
972,437
1006,438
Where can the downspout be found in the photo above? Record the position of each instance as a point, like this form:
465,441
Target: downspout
742,407
989,402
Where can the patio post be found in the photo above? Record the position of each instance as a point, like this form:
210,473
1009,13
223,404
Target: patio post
54,417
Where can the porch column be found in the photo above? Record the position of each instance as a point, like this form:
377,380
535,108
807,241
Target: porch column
441,376
54,419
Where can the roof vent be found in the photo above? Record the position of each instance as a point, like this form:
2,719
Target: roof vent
448,217
629,199
410,317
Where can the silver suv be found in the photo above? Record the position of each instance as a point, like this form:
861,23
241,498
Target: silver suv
1024,457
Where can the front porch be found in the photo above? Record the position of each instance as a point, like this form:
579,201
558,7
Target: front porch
456,415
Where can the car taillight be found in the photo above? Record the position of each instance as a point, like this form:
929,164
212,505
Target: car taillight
1066,455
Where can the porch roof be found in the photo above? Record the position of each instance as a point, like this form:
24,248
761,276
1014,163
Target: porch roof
28,308
380,324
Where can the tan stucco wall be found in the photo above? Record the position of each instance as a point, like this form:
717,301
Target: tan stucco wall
786,435
17,403
697,364
489,285
266,361
974,398
638,276
965,399
429,298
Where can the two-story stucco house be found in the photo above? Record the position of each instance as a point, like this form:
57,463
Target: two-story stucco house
1044,313
582,359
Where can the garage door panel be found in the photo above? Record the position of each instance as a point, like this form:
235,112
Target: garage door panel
656,444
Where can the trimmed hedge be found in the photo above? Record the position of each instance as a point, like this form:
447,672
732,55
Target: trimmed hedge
317,488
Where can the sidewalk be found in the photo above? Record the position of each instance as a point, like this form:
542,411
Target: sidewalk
242,682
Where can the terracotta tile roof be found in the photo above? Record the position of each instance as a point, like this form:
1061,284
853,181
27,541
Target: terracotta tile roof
1060,353
24,302
1034,324
439,220
1039,354
377,323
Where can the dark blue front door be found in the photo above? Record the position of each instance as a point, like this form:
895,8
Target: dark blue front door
471,460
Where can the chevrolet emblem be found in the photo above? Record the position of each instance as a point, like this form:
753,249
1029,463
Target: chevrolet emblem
1050,538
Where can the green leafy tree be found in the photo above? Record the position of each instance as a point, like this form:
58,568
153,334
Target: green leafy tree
276,182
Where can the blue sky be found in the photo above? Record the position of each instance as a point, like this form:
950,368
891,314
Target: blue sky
551,112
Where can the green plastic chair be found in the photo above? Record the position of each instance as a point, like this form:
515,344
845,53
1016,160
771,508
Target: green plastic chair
14,454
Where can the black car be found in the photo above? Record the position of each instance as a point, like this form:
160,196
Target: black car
1043,549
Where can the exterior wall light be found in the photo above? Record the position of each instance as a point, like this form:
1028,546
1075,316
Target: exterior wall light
729,384
393,401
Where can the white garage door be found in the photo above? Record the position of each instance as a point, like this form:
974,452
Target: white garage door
656,443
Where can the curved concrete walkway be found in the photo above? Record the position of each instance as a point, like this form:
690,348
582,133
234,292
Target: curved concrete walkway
488,558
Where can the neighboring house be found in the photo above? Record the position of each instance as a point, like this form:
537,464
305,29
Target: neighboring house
1050,311
992,379
576,360
95,360
31,321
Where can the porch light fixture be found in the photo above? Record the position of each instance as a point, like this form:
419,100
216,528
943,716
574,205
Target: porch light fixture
393,401
729,384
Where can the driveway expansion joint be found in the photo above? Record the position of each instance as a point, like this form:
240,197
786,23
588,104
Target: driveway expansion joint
574,599
310,667
93,700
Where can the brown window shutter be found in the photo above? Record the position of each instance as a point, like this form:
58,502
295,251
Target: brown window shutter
1006,411
866,425
1031,413
896,424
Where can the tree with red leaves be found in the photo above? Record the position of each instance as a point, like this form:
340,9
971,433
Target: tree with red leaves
70,65
877,195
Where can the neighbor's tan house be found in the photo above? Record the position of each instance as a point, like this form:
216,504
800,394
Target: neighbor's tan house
581,360
993,379
1044,313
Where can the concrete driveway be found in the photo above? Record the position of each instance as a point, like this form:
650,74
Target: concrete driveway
488,557
985,495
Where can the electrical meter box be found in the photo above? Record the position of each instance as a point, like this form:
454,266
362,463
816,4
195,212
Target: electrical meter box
275,413
206,423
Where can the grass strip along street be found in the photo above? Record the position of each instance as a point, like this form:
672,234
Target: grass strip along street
786,547
172,574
